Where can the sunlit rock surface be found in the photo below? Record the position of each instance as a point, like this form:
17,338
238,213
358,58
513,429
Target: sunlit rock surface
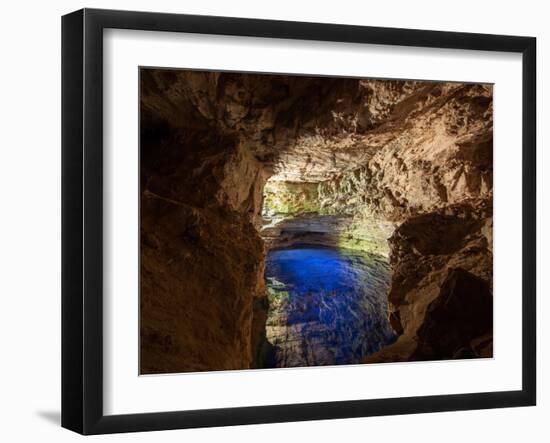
296,213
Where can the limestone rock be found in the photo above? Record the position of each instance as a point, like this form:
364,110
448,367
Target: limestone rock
402,169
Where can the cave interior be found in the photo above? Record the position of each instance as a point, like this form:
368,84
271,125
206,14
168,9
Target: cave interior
303,221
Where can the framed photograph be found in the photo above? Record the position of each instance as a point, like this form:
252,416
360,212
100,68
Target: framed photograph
269,221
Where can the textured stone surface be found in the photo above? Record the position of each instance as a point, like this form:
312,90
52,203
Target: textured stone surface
425,250
201,257
399,168
312,213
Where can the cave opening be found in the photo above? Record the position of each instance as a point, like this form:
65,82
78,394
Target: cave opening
327,277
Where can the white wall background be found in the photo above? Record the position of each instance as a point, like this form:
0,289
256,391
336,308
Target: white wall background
30,95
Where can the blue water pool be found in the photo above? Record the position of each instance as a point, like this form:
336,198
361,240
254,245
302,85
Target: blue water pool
327,306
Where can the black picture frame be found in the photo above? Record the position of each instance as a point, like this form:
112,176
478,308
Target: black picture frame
82,219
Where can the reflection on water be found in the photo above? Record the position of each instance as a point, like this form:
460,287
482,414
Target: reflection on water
327,306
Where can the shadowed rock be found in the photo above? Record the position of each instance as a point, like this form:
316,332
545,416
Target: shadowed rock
461,313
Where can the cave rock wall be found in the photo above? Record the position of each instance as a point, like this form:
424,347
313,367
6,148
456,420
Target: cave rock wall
400,168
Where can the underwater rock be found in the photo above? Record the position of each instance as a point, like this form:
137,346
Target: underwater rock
326,306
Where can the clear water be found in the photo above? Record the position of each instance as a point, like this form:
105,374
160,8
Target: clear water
327,306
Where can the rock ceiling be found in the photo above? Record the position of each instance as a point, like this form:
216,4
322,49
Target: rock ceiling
312,129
